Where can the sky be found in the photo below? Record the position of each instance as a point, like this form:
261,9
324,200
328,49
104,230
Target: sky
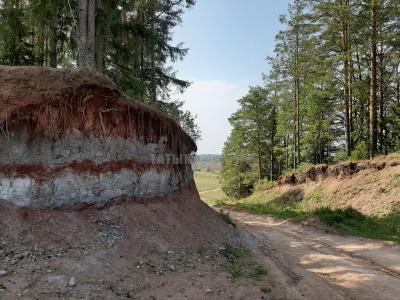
229,41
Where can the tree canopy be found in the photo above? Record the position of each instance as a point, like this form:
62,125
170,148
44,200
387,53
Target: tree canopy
128,40
332,92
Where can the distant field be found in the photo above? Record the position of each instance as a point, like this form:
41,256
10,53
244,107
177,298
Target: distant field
206,181
203,165
209,187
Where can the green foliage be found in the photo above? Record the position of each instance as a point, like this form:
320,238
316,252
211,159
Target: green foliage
135,37
341,156
318,89
263,185
361,151
304,167
237,173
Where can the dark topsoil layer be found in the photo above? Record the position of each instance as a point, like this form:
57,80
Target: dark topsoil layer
49,103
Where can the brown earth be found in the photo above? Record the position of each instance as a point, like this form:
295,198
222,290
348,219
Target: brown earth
162,248
174,248
170,248
372,188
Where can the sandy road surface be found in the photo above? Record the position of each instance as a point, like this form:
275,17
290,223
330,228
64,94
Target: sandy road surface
309,263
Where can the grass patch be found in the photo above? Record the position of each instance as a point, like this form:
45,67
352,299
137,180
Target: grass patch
241,265
350,221
213,197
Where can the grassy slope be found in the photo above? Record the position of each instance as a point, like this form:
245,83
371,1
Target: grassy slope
366,204
289,205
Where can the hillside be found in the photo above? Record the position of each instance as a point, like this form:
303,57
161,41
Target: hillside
360,198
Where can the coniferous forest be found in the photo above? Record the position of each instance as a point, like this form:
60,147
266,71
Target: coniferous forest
128,40
331,93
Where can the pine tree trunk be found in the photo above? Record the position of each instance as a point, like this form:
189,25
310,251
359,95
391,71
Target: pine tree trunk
346,72
87,34
297,104
381,103
373,132
260,165
273,144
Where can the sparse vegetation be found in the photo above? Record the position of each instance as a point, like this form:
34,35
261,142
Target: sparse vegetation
241,265
382,190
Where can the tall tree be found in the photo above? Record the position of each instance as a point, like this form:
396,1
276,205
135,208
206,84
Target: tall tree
373,122
86,39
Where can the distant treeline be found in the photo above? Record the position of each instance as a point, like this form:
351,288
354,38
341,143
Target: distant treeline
332,93
209,158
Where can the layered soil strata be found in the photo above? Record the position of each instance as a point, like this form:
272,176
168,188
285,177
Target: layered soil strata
71,137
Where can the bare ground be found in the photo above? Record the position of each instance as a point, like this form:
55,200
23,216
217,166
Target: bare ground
306,262
173,248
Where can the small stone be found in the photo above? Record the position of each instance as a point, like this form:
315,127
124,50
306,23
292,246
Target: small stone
221,249
208,291
171,267
3,273
72,282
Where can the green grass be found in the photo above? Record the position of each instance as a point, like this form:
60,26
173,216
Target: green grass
350,221
213,197
294,205
209,187
241,265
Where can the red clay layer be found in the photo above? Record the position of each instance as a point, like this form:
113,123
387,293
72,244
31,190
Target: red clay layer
41,172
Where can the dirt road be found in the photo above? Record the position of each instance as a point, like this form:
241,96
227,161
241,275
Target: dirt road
309,263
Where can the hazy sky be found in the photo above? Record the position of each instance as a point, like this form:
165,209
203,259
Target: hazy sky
229,41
